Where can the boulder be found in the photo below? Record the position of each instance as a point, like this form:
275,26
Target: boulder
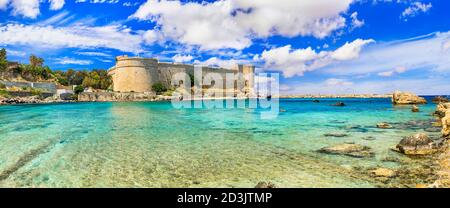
419,144
415,109
265,185
440,99
384,125
383,172
404,98
352,150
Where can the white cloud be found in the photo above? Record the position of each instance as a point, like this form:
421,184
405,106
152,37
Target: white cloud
423,52
29,8
182,58
356,23
416,8
56,4
350,50
3,4
67,60
217,62
26,8
77,36
337,82
446,45
296,62
233,23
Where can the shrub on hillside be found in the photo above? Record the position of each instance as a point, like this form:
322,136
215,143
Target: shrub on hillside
159,88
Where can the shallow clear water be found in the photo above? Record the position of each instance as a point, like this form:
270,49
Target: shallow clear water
155,145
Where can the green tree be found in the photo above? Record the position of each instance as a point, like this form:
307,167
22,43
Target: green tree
79,89
36,61
159,88
3,59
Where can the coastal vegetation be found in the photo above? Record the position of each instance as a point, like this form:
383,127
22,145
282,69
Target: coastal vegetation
37,71
159,88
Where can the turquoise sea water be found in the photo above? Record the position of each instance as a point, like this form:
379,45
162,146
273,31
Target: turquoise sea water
155,145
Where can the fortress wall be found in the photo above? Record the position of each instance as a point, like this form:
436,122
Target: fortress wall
140,74
167,70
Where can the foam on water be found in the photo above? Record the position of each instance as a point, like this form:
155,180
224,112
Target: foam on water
155,145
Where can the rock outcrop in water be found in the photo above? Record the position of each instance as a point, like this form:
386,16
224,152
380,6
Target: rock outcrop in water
384,125
419,144
405,98
339,104
440,99
415,109
443,115
352,150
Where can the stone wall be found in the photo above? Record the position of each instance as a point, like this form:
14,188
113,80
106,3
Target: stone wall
46,87
115,97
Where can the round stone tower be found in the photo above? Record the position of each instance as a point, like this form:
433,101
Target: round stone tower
134,74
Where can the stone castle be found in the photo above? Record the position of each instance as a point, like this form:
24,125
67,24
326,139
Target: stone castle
136,74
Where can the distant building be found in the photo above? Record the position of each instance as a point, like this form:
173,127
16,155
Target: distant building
136,74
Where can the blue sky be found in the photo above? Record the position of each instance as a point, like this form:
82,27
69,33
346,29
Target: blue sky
318,46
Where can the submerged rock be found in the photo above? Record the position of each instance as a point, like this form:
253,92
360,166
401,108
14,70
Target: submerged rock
415,109
339,104
336,135
401,98
352,150
384,125
383,172
419,144
265,185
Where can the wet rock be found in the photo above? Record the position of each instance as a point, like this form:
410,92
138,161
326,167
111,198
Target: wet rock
316,101
419,144
415,109
440,99
383,172
446,125
441,109
335,135
392,159
339,104
369,138
352,150
264,184
401,98
384,125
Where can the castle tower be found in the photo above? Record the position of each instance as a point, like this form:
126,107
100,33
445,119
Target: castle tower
134,74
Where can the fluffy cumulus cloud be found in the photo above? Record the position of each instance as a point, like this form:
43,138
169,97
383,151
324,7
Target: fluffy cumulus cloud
234,23
296,62
75,36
